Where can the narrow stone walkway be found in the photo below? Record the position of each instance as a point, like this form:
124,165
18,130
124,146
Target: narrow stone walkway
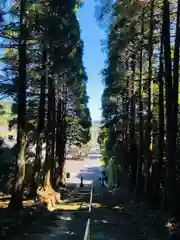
113,217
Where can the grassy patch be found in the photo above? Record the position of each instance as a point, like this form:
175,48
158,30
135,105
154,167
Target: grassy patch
101,163
4,201
7,133
71,206
95,127
3,121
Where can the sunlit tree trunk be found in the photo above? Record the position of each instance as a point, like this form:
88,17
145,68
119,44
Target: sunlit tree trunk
175,89
17,193
126,157
41,121
59,140
171,162
160,149
176,77
53,143
140,155
132,138
49,138
150,101
61,136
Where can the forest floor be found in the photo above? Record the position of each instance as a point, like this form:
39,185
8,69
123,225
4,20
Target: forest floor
114,216
35,221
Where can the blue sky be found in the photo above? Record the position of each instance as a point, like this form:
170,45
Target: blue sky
93,56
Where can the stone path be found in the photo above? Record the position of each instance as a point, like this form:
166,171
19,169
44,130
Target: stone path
113,216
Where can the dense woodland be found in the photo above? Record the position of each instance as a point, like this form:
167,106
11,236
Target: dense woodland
139,134
42,72
44,76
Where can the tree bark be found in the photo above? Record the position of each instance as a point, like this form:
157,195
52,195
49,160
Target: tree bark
133,144
140,155
17,193
171,162
150,102
41,122
161,126
48,174
61,137
175,88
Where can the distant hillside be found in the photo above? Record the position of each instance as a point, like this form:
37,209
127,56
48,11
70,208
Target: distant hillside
96,122
95,130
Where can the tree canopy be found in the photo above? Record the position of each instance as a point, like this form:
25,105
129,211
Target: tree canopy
45,78
140,105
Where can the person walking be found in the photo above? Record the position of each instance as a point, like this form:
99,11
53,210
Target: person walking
103,177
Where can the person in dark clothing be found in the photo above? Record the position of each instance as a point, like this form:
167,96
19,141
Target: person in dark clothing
33,192
81,183
103,177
